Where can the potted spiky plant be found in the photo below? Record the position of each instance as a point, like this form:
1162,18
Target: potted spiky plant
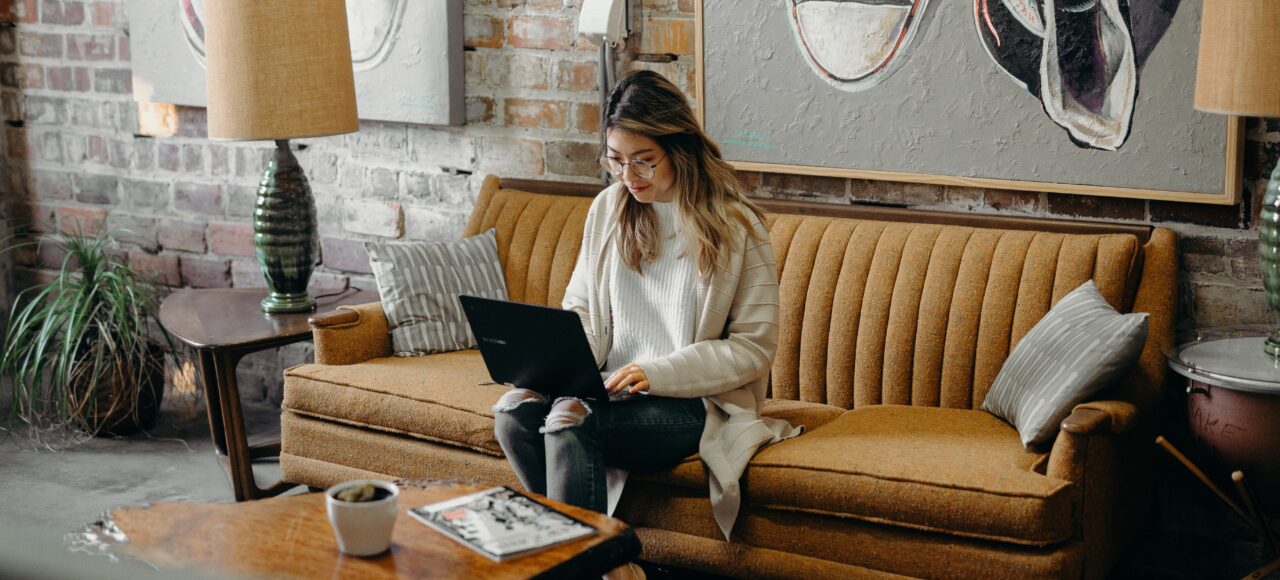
78,349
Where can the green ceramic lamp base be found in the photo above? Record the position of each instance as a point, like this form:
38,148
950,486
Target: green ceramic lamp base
1272,345
284,233
285,303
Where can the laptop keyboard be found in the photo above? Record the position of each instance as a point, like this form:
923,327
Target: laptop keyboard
623,396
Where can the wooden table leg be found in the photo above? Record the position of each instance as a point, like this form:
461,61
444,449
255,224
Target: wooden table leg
239,456
269,450
213,402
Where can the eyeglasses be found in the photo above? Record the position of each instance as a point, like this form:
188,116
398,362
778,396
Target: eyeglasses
639,168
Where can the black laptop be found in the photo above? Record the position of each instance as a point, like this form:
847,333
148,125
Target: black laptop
534,347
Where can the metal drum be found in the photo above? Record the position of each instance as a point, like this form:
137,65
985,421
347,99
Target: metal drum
1233,402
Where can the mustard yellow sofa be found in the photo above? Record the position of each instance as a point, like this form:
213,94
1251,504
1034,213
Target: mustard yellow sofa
894,325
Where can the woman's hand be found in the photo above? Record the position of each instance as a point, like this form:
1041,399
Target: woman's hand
630,378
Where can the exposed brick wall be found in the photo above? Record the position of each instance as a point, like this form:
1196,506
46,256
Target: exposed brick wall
76,156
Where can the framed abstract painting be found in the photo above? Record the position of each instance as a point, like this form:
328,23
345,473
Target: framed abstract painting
1070,96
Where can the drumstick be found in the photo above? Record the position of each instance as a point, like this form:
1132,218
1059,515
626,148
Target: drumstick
1238,478
1167,446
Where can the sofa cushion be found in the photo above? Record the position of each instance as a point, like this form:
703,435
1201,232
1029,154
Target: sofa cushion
957,471
690,473
1082,346
802,538
392,455
420,283
441,397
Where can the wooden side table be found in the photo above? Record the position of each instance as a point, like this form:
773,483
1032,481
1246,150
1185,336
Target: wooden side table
224,325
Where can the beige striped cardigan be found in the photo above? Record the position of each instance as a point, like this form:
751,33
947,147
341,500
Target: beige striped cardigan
727,364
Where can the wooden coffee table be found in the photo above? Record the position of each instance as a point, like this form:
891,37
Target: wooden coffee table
290,537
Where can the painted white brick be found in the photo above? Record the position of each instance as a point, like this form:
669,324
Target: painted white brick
441,148
510,157
373,217
434,223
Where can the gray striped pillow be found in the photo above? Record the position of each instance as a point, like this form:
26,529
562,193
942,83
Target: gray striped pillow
1078,348
420,283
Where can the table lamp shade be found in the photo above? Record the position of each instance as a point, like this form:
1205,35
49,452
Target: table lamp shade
1239,68
278,69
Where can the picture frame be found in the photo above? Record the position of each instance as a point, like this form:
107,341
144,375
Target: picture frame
751,151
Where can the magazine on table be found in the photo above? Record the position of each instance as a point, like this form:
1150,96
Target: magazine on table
501,523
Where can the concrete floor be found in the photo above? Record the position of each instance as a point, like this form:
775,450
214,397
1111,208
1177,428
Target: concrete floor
64,490
51,496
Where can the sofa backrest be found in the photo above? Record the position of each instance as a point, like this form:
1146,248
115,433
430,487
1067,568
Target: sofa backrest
873,312
878,312
538,238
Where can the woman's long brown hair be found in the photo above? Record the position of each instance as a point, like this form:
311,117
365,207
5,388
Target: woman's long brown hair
707,192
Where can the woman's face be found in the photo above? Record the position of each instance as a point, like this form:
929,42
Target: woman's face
627,147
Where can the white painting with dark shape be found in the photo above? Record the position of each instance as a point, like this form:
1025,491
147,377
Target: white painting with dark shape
1077,56
374,26
856,44
406,54
191,17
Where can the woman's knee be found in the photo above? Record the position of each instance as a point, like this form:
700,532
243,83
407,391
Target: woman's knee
514,398
566,413
518,413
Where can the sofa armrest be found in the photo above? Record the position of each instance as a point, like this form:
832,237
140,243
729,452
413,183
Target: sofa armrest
351,334
339,317
1100,417
1082,430
1104,451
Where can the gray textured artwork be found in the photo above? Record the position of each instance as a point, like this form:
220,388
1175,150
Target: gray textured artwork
1099,93
406,54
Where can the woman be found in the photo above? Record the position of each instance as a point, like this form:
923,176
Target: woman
677,289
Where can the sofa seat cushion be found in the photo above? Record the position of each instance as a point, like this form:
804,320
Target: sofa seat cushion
957,471
894,551
441,397
691,473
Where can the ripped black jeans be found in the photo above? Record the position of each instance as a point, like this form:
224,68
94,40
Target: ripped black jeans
561,449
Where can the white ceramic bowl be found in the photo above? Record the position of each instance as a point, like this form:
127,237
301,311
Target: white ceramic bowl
363,528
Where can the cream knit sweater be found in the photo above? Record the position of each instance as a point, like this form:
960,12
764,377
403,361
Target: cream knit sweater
654,311
727,364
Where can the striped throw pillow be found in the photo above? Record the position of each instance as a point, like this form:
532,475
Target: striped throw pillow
1081,346
420,283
